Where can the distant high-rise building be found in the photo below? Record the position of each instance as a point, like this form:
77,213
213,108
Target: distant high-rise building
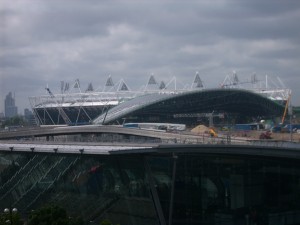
27,113
10,107
29,117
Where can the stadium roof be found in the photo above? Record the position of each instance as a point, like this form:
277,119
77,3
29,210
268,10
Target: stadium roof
238,101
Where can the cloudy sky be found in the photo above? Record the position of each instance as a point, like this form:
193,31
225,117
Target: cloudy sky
44,42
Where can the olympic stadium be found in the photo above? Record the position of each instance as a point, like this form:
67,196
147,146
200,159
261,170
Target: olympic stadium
155,102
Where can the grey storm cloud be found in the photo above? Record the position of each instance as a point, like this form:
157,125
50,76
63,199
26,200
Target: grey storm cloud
43,42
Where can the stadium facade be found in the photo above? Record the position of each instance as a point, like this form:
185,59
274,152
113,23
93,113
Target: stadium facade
171,184
232,99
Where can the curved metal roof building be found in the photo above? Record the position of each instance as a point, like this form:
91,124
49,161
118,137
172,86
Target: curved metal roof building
170,106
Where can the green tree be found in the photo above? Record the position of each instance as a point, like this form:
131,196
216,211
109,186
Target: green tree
10,218
52,215
106,222
14,121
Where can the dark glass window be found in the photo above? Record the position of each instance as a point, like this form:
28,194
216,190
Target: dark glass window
208,189
92,187
230,189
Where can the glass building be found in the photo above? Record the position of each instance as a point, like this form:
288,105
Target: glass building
11,109
179,186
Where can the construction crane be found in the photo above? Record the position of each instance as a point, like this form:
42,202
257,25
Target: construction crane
60,109
285,109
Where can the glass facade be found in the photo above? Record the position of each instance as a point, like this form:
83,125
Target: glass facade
232,190
186,188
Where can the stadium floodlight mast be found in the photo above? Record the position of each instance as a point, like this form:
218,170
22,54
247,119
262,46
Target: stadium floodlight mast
10,212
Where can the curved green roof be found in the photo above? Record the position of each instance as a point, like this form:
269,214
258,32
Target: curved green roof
200,101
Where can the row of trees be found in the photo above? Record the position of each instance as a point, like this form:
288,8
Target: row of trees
14,121
48,215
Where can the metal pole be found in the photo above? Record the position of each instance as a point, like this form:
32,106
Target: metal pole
10,216
172,189
291,126
154,193
105,116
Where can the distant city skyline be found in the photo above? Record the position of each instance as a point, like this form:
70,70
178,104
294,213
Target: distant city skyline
11,108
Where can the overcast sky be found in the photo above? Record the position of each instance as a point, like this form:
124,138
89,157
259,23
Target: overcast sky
44,42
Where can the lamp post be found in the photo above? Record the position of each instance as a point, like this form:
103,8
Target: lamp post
10,212
291,121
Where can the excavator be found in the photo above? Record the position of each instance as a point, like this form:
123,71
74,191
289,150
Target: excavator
267,134
212,132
